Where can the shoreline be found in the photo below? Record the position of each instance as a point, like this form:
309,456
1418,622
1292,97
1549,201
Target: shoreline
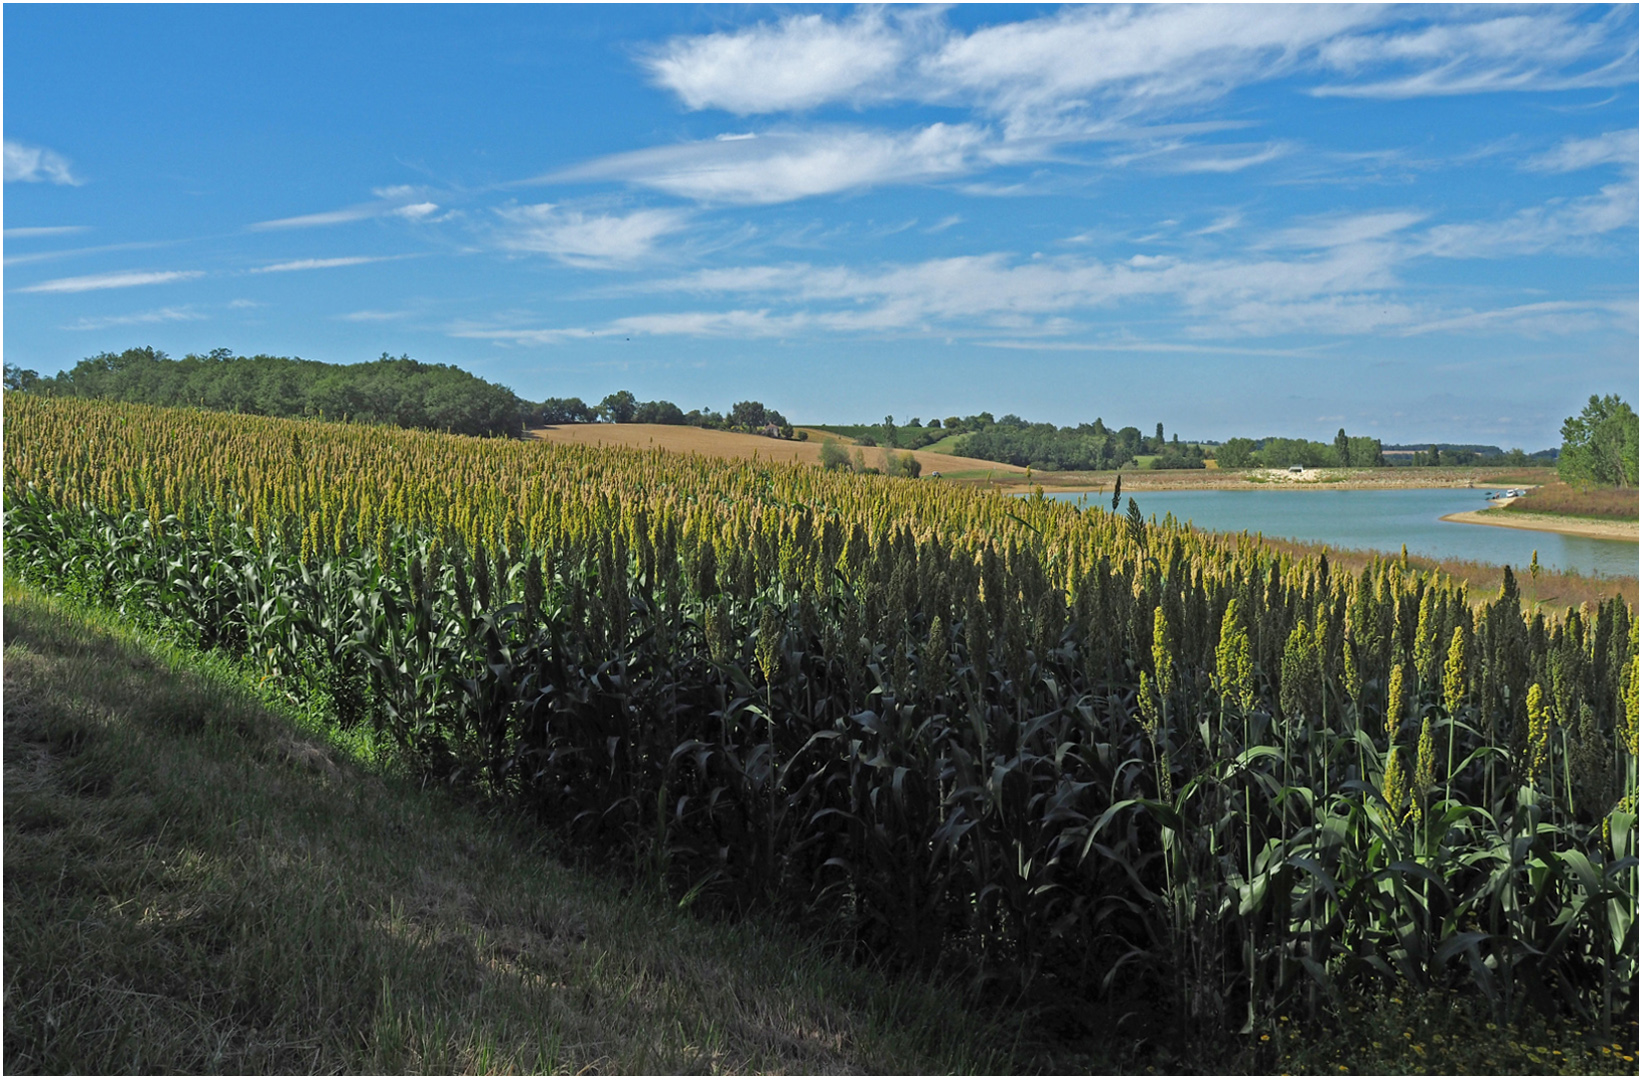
1257,480
1589,528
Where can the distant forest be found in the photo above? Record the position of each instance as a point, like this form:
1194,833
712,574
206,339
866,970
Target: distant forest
441,397
1094,446
402,392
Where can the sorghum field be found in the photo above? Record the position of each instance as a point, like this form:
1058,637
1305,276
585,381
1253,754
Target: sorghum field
1077,758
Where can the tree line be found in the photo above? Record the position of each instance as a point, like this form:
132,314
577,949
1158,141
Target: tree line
623,407
402,392
1089,447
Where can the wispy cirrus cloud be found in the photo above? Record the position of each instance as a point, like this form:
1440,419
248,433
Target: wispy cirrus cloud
323,264
1486,51
1545,318
141,318
1181,156
1558,225
585,238
781,166
25,232
1076,75
1339,230
1571,155
1088,65
123,279
1337,274
36,164
370,315
400,201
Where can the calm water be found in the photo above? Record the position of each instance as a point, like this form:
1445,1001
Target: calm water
1382,520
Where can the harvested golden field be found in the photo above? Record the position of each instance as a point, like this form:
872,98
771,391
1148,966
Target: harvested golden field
732,444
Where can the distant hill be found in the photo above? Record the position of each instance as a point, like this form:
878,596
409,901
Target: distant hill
403,392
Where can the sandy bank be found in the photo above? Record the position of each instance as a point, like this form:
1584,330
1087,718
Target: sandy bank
1388,479
1587,527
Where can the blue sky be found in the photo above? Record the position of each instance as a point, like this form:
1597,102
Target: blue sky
1416,223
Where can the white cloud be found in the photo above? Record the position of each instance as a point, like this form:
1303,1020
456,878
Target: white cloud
1545,50
1546,318
373,316
1177,156
142,318
119,280
801,62
44,230
1080,74
1333,291
1082,68
726,324
399,201
328,217
782,166
33,164
1338,230
579,238
1043,74
518,336
1224,223
1557,225
1570,155
320,264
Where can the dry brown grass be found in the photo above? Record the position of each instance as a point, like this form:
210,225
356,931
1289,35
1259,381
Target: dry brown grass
1618,504
735,445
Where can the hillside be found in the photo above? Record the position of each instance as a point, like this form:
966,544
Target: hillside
730,444
195,884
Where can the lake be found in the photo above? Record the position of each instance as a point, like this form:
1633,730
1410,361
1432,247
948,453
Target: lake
1380,520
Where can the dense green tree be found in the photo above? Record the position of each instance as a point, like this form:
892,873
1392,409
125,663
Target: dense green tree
1363,453
619,408
1236,453
658,412
400,391
564,411
1599,446
21,379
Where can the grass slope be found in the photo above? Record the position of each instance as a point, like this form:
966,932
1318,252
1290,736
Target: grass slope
1603,504
192,884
